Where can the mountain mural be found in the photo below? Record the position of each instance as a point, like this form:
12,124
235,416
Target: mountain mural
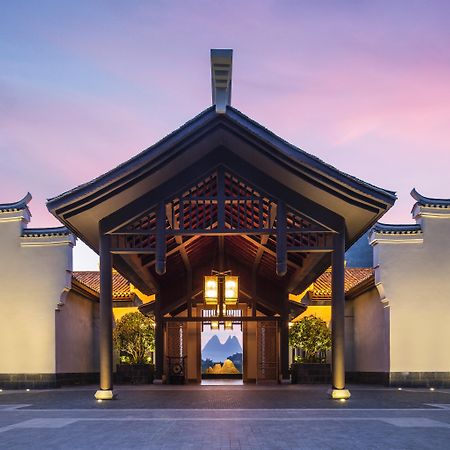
218,352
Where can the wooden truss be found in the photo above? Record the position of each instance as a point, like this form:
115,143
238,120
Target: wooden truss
221,204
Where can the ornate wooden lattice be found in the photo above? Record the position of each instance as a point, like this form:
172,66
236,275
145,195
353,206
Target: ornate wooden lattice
176,339
175,365
267,348
222,204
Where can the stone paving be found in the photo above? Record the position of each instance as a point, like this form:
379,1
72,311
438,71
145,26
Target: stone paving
225,417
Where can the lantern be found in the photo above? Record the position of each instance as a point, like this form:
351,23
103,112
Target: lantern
211,290
231,290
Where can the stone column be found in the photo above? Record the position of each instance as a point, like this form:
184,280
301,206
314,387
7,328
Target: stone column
106,321
338,390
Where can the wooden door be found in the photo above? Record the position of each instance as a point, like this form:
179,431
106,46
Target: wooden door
267,342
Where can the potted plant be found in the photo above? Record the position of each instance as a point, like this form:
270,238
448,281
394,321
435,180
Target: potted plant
134,341
312,337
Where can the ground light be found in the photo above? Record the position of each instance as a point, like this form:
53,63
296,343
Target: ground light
399,389
27,390
431,389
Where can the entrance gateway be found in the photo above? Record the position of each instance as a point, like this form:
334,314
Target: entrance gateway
222,193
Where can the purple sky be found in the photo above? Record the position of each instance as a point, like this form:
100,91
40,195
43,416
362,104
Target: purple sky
364,85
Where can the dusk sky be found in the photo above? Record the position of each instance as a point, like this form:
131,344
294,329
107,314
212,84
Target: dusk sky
85,85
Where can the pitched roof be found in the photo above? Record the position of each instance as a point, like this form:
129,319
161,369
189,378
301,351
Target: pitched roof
386,228
428,201
206,116
353,278
91,279
40,232
298,154
16,206
392,228
263,158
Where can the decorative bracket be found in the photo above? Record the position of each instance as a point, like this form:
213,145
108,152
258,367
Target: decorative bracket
221,67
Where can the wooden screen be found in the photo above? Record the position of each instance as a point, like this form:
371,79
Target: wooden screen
175,341
267,341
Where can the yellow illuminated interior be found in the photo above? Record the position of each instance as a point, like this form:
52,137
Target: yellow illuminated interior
322,312
231,290
211,289
122,310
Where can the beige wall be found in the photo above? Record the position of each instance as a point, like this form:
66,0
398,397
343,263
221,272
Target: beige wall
77,334
413,276
34,272
367,325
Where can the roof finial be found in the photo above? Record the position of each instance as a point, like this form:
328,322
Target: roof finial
221,66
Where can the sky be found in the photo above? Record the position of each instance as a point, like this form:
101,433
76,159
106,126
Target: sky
85,85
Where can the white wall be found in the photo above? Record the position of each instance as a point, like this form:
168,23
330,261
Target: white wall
34,271
414,278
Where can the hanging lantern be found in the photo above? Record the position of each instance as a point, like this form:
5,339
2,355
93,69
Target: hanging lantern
231,290
211,290
214,325
228,325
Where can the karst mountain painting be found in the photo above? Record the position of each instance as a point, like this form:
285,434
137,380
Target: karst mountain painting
215,352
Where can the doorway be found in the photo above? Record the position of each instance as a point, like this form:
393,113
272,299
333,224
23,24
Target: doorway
222,352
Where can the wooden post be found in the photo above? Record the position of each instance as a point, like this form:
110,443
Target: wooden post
284,341
106,320
220,198
281,239
159,342
160,265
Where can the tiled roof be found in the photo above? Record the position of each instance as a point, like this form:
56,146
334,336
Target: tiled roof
16,206
427,201
353,277
321,288
34,232
385,228
91,279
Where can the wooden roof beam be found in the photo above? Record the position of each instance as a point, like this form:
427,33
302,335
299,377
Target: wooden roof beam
266,249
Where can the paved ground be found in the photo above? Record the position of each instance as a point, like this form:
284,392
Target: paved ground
225,417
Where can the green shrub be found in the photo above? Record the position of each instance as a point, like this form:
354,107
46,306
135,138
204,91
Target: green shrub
134,338
311,335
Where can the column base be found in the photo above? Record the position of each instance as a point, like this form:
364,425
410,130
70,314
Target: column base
105,394
339,394
285,381
157,381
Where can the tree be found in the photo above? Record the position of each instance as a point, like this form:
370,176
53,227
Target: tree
311,335
134,338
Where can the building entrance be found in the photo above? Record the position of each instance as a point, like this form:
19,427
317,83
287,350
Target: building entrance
222,184
222,351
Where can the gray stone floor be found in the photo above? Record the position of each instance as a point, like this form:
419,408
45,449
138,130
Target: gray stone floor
225,417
